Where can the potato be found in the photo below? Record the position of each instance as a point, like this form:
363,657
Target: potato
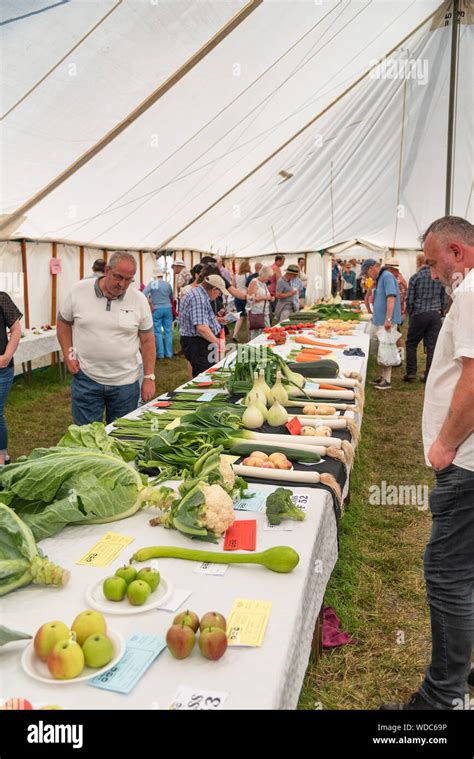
283,464
259,455
277,456
251,461
309,410
308,430
267,465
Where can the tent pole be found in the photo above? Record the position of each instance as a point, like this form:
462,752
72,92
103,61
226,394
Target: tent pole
81,262
106,255
24,268
451,109
54,294
140,262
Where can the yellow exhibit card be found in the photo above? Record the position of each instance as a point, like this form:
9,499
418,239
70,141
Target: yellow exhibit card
105,550
247,622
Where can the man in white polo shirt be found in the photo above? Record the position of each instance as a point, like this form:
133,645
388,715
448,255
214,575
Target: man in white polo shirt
102,325
448,439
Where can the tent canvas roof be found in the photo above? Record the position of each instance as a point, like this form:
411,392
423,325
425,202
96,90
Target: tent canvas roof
201,96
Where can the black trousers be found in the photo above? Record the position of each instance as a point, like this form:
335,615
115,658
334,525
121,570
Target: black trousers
424,327
200,353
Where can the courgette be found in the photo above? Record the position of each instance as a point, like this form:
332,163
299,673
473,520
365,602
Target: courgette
324,368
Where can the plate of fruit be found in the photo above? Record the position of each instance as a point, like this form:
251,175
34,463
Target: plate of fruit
61,655
129,591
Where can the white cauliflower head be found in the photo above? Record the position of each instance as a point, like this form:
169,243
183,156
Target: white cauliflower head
228,474
219,513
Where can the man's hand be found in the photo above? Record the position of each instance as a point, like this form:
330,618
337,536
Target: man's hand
222,319
4,361
440,456
148,390
387,324
72,364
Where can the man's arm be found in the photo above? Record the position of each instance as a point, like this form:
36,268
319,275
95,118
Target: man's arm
459,422
148,351
388,314
64,333
206,332
411,294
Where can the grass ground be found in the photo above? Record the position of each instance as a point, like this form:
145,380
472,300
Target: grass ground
377,586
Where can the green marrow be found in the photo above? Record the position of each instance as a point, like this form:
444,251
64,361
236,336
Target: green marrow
326,368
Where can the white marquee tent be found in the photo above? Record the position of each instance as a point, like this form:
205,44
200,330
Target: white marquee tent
243,128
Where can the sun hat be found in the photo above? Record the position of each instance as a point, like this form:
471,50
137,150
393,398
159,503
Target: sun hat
292,269
178,262
157,271
216,281
392,262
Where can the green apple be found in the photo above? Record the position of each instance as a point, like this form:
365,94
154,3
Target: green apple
47,637
128,573
88,623
149,575
66,660
115,588
98,650
138,592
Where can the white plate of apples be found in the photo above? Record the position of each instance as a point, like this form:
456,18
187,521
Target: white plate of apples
60,656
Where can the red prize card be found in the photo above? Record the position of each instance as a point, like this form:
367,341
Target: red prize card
162,404
294,426
212,370
203,384
242,535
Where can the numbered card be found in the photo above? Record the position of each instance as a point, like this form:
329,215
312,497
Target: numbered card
179,596
106,550
256,502
206,568
208,395
247,622
300,501
197,699
141,651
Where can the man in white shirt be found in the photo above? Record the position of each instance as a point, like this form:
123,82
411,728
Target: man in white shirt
102,325
448,439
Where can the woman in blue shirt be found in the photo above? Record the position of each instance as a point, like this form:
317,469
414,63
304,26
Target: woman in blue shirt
160,295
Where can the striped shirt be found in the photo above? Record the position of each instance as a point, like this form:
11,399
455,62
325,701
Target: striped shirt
425,294
196,308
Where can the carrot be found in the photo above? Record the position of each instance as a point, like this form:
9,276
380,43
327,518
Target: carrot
329,387
308,359
330,345
317,352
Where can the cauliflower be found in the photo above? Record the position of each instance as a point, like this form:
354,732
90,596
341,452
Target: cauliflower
227,474
219,509
204,512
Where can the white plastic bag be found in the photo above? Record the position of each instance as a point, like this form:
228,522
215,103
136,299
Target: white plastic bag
388,354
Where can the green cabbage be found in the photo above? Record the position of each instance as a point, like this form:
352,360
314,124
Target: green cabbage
54,487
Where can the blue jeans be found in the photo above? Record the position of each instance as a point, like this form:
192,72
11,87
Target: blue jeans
163,319
90,399
6,381
449,575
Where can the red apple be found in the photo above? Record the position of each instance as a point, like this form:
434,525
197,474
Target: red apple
213,643
189,618
180,640
213,619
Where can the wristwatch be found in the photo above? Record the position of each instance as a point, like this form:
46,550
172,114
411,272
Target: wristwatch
149,376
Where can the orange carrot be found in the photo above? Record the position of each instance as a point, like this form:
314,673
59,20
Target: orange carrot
330,387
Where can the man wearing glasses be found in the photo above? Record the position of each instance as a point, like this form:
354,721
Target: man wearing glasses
102,324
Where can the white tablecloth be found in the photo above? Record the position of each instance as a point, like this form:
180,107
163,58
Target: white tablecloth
269,677
34,346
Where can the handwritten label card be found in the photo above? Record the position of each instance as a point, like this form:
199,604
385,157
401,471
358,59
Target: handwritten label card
247,622
140,653
241,535
106,550
197,699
